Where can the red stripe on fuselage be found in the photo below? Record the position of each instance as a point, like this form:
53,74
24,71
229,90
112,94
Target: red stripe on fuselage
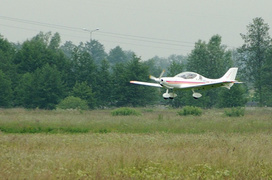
184,82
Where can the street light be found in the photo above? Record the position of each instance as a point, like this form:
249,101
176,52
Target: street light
90,31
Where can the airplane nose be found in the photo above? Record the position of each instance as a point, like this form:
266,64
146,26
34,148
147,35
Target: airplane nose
161,83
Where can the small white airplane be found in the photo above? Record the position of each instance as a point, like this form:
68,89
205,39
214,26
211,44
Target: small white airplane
191,80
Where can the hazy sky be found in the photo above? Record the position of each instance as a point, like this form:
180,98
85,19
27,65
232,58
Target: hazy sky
148,27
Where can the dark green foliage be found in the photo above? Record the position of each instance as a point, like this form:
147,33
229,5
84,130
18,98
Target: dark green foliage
234,97
125,112
7,54
72,102
41,50
211,60
96,50
117,55
39,73
84,92
126,94
255,58
48,89
41,89
68,49
23,92
5,90
235,112
34,128
267,82
104,85
190,110
83,67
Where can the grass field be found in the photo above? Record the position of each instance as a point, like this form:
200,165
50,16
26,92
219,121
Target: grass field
159,144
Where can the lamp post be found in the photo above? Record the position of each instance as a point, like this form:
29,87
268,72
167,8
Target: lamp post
91,31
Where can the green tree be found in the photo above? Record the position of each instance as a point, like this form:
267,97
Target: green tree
48,89
175,68
68,49
139,95
104,85
154,70
84,92
126,94
5,90
267,82
83,67
54,43
7,55
211,60
117,55
119,81
96,50
40,50
254,55
24,91
32,55
232,98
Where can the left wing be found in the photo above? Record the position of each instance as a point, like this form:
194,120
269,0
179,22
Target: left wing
146,83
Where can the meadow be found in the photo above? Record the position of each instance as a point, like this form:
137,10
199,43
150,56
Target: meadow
158,144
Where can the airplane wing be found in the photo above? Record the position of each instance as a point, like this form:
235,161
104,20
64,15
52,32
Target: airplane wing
146,83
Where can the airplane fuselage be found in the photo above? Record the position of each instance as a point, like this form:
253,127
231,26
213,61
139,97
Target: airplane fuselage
173,82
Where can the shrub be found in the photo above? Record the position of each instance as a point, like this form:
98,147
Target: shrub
190,110
72,102
125,112
235,112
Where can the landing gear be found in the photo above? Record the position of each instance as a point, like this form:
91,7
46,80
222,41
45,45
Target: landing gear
196,95
168,95
171,95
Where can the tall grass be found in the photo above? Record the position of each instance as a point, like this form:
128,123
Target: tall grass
157,121
124,111
157,145
135,156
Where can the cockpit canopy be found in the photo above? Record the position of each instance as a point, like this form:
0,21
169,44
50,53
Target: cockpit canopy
188,75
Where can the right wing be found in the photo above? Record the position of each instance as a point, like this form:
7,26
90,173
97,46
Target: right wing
146,83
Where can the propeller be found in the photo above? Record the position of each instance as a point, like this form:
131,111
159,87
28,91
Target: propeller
157,79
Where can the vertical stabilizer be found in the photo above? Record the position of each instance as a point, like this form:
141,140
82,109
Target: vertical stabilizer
230,74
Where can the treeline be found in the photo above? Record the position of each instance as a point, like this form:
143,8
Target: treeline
42,73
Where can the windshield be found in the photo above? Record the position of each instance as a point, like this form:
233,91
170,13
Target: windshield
187,75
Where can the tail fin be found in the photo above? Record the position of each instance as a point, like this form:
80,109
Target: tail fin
230,74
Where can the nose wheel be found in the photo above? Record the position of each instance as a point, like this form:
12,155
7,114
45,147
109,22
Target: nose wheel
168,95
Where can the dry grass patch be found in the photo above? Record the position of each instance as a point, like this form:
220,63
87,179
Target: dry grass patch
139,156
159,144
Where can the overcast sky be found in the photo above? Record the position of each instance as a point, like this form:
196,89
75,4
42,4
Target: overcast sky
147,27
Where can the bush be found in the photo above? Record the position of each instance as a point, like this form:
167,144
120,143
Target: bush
235,112
190,110
72,102
125,112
